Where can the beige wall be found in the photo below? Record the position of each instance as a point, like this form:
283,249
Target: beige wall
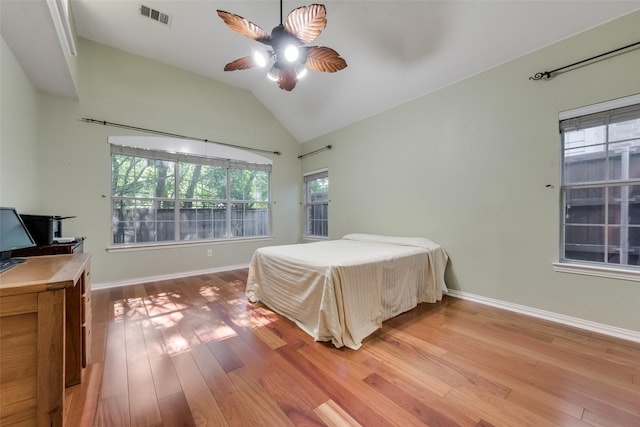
468,166
122,88
19,172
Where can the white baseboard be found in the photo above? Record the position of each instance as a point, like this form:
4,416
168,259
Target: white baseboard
600,328
128,282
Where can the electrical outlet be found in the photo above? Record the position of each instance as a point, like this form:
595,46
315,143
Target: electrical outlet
209,252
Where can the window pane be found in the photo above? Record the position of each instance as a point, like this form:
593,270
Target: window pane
165,222
634,204
585,243
629,129
317,223
249,185
634,160
122,221
584,164
624,243
249,219
202,220
202,182
624,205
123,175
318,190
634,246
141,221
585,206
614,204
139,177
585,137
624,160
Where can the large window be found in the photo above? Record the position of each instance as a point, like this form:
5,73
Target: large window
316,204
601,187
160,197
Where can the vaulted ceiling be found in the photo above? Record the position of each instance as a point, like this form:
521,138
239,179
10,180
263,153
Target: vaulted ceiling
396,50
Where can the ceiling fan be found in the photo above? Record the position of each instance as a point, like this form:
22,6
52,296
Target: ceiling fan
286,52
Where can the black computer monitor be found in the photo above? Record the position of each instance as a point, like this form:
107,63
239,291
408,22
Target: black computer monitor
13,235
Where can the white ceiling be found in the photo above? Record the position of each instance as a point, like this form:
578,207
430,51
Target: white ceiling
396,50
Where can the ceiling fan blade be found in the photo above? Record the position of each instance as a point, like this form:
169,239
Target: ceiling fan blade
321,58
247,28
287,79
243,63
306,22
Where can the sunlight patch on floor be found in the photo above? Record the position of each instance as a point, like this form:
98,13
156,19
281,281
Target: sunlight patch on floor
130,308
118,311
209,327
210,293
164,302
168,320
176,344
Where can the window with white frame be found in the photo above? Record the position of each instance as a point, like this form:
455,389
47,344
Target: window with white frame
161,197
601,187
316,204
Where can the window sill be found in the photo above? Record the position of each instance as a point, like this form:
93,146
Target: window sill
172,245
598,271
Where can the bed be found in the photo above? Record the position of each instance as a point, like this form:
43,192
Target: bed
342,290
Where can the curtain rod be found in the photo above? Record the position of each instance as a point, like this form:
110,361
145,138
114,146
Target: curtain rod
302,156
546,75
159,132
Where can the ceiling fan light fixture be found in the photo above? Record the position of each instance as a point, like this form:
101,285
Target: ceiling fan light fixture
291,53
274,73
301,71
260,58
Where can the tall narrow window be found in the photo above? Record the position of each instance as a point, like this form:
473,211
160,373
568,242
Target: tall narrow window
601,187
316,204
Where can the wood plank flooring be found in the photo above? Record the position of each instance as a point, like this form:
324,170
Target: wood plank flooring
193,352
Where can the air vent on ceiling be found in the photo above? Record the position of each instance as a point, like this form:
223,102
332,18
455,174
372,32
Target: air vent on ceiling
154,14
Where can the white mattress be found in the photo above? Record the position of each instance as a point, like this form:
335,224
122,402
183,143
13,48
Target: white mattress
342,290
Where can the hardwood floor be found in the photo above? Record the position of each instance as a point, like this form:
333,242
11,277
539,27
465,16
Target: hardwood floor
193,352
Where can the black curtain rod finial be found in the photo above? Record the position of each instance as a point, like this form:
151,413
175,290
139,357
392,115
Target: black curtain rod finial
546,75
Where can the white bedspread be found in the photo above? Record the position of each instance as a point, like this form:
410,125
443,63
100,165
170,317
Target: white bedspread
342,290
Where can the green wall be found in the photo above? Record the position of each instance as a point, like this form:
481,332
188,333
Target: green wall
468,167
19,171
75,166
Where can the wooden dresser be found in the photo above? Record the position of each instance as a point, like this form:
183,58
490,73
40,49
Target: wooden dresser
45,329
